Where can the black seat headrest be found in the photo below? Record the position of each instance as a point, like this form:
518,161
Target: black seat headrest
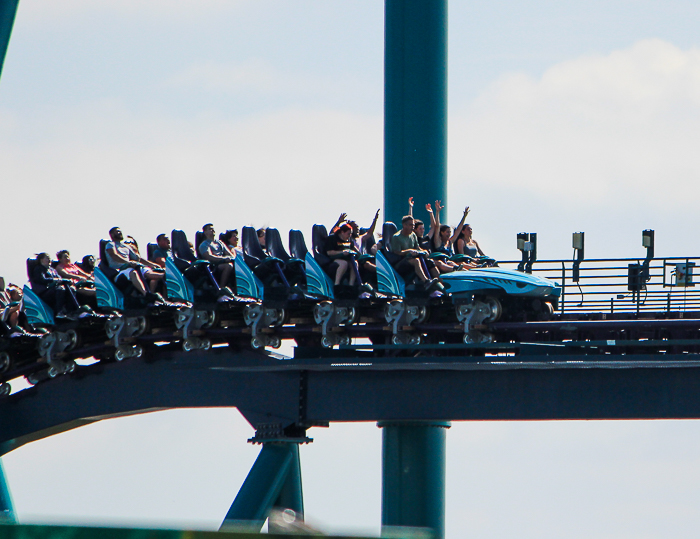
273,242
319,236
31,264
297,244
388,231
199,238
250,244
103,253
181,247
150,249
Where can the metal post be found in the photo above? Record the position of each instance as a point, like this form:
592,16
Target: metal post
264,486
291,495
8,10
415,106
413,474
7,513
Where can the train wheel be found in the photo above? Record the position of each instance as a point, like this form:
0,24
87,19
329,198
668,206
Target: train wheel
546,311
74,339
4,361
206,344
188,345
344,340
274,342
137,351
257,343
142,326
120,354
495,309
327,342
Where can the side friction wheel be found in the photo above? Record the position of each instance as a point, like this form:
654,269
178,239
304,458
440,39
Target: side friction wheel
495,309
4,361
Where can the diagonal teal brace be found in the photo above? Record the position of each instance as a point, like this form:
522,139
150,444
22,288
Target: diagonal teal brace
291,495
262,487
7,513
8,10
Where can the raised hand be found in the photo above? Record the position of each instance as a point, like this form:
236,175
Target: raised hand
410,201
376,215
428,208
466,211
438,206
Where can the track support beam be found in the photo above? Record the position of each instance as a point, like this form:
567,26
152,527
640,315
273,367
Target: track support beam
8,10
274,481
415,106
7,512
413,475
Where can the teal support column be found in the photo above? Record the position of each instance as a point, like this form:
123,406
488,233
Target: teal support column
273,481
413,474
7,512
415,106
8,10
291,495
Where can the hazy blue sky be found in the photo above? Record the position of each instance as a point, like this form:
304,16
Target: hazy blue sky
563,116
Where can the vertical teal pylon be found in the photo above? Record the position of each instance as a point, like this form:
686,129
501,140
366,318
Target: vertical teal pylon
415,106
8,10
413,475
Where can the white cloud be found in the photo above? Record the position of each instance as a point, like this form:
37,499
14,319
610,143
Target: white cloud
598,142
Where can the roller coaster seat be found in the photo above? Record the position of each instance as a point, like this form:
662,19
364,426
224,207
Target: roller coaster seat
273,242
181,247
319,237
388,231
150,250
297,245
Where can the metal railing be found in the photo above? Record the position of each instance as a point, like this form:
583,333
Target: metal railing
610,285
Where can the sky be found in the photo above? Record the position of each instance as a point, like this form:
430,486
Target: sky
563,116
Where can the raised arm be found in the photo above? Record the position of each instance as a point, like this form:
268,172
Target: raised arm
343,217
434,226
410,206
437,239
458,228
371,229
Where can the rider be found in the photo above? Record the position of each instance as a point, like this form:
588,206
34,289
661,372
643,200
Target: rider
339,246
162,251
84,282
123,258
219,255
54,290
405,243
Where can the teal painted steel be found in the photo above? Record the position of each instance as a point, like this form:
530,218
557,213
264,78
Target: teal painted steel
36,310
7,513
8,10
317,281
262,487
415,106
291,496
388,281
107,294
176,283
413,475
247,284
